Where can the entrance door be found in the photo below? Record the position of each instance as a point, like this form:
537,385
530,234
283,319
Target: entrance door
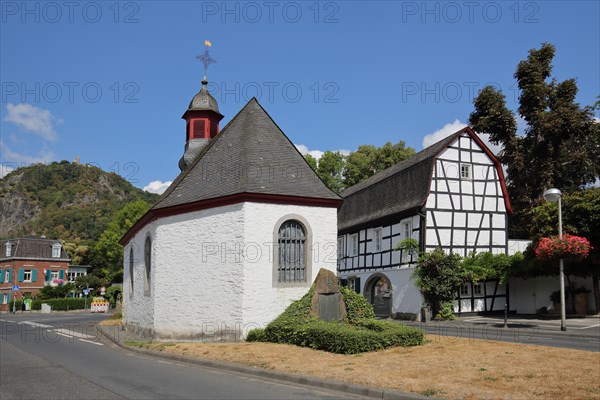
381,297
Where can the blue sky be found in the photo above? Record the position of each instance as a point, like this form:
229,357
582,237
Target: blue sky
108,82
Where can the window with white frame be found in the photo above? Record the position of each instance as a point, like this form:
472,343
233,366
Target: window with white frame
477,289
340,248
56,250
27,275
465,290
291,263
466,171
7,275
377,239
8,249
53,275
5,298
354,244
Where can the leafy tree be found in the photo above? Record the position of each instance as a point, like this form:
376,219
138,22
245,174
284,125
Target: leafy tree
311,161
339,172
560,145
56,292
581,216
90,281
108,251
368,160
438,276
330,169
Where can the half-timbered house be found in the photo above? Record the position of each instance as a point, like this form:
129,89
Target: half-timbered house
450,195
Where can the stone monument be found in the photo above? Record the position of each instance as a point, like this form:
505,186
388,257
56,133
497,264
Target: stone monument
327,302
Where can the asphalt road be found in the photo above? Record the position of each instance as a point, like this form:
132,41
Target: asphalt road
61,356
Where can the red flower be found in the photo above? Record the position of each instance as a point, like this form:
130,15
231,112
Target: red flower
568,246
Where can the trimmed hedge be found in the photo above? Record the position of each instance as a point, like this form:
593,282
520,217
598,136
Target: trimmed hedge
56,304
359,332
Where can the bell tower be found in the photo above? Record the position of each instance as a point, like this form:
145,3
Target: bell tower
201,118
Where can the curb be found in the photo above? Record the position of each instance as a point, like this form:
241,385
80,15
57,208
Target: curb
386,394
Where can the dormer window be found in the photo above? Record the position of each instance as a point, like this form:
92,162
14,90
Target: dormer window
8,249
56,250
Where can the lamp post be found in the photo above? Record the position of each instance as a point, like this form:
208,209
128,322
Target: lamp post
555,195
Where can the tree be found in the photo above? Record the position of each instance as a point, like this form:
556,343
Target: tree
311,161
581,216
330,169
560,144
368,160
108,251
90,281
438,276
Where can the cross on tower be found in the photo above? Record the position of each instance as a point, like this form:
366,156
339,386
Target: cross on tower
206,58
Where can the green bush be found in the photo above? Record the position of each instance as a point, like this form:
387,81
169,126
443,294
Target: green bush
446,312
256,335
56,304
358,332
357,306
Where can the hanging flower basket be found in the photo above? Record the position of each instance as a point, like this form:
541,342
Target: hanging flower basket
569,246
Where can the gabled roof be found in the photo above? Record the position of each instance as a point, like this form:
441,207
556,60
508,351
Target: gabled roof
32,247
251,159
402,187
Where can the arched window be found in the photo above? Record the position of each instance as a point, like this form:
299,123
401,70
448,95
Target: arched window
148,261
131,268
291,265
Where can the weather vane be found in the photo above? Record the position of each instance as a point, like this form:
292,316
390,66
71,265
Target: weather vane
205,58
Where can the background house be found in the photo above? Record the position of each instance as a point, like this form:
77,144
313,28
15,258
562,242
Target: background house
31,263
450,195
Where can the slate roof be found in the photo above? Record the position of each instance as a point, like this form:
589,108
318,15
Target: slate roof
399,188
203,100
32,247
250,155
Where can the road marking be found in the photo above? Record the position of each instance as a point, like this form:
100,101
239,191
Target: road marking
37,325
89,341
164,362
587,327
72,333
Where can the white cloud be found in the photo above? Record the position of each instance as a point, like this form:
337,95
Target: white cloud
453,127
157,186
44,155
443,132
317,154
33,119
5,170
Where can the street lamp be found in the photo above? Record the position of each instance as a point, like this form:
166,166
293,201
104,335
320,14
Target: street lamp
555,195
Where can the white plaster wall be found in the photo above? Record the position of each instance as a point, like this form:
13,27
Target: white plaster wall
198,274
138,306
406,297
262,301
529,295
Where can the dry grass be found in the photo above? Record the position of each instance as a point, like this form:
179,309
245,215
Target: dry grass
444,367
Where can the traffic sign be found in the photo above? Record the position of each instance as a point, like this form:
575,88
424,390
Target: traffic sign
15,288
86,292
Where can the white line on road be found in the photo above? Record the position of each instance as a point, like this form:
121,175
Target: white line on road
89,341
37,325
72,333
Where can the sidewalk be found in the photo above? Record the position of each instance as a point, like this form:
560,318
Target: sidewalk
586,327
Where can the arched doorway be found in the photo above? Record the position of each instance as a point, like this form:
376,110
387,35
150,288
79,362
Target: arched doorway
378,291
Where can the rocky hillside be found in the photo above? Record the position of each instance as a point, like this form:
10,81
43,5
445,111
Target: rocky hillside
69,201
